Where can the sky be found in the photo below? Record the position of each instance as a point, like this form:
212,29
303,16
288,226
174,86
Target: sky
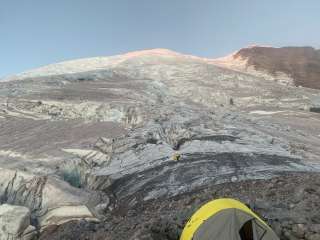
34,33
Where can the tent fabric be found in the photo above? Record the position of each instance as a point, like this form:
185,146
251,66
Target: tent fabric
224,219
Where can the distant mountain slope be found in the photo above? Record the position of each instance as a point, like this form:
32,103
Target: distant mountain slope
301,64
95,139
151,56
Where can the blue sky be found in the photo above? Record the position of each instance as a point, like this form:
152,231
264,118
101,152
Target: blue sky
39,32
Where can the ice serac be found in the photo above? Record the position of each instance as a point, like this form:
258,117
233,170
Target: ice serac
87,139
48,201
15,223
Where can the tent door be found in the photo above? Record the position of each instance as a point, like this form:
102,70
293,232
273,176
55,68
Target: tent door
252,230
246,231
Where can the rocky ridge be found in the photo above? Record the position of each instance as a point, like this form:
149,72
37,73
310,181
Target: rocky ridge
291,65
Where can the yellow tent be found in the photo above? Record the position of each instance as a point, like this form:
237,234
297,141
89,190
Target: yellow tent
226,219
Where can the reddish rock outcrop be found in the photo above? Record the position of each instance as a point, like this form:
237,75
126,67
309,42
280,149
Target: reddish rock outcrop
301,63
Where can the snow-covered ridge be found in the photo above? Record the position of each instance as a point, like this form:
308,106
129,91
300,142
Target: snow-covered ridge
99,63
234,62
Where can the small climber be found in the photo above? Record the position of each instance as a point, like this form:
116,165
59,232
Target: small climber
176,156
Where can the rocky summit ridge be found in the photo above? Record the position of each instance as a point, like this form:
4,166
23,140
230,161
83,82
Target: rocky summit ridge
88,146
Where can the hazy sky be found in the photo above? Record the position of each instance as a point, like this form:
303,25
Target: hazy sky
38,32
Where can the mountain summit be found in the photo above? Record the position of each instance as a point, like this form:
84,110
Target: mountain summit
154,56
